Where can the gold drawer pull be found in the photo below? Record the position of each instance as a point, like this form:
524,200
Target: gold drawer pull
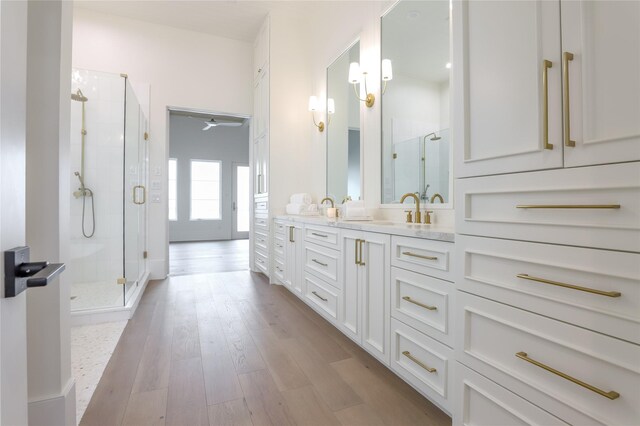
422,305
566,58
571,286
610,394
319,297
417,361
319,263
545,102
319,235
568,206
408,253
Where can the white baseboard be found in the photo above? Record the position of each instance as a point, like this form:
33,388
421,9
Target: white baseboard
55,410
98,316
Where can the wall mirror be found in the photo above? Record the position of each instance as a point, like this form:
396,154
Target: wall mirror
344,135
416,150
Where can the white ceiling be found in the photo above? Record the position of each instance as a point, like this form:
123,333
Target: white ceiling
233,19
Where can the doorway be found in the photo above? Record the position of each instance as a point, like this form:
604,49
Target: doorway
241,201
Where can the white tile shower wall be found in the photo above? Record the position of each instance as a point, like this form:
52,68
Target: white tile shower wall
99,258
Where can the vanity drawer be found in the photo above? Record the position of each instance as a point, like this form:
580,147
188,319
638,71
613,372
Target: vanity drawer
322,262
261,262
516,349
261,240
605,285
479,401
261,224
569,206
278,269
322,235
322,295
261,206
278,245
427,257
280,228
422,362
423,302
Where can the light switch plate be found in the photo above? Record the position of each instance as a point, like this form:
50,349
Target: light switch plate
156,184
155,197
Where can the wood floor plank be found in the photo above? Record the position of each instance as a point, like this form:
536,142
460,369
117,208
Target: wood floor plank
307,408
186,401
246,356
264,400
285,371
230,413
221,380
146,408
334,391
388,404
358,415
186,338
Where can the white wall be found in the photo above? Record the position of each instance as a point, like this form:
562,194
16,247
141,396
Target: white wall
226,144
183,68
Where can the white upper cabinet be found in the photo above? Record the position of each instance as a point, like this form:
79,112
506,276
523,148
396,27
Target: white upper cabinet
261,49
603,81
502,103
532,96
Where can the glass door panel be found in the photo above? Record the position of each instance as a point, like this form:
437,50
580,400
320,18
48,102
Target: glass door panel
241,201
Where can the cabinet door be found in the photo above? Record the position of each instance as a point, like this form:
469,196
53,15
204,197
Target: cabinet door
258,164
500,111
603,81
292,258
349,304
375,277
257,116
297,279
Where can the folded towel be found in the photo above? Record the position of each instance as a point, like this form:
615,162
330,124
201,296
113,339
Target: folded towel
355,212
301,198
302,209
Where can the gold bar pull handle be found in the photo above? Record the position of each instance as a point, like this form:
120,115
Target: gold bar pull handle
357,241
610,394
571,286
291,240
319,263
417,361
566,58
568,206
545,104
360,261
420,256
422,305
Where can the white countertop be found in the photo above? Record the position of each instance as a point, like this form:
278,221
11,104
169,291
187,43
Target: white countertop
430,232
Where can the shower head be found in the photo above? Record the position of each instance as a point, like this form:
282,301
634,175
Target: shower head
79,96
434,137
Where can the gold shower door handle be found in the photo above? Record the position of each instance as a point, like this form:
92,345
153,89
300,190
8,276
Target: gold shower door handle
611,394
545,103
566,58
135,193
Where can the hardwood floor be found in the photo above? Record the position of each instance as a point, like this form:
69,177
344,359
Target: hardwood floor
208,256
230,349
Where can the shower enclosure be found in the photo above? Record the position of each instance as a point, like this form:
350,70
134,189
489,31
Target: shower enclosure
109,163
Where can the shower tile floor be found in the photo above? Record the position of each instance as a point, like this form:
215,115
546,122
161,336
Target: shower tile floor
91,349
96,295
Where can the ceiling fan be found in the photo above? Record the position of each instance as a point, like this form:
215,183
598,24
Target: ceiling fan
214,123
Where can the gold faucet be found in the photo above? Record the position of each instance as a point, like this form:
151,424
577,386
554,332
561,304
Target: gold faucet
438,196
333,204
417,217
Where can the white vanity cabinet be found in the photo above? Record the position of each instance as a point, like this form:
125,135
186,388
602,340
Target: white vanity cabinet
364,308
516,62
288,251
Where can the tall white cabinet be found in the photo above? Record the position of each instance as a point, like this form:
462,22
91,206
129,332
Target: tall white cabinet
545,84
260,233
548,283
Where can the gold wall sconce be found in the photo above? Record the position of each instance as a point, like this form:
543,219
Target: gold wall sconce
354,78
314,105
386,73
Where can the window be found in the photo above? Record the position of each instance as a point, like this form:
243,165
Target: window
205,190
173,189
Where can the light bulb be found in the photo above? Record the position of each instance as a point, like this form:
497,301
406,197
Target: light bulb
313,103
354,73
387,71
331,106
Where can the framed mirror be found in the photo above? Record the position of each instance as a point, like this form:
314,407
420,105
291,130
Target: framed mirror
416,148
344,134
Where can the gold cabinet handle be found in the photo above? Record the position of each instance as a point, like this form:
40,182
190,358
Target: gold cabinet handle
319,297
566,58
408,253
417,361
360,261
356,260
571,286
610,394
545,104
319,235
568,206
319,263
422,305
291,240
